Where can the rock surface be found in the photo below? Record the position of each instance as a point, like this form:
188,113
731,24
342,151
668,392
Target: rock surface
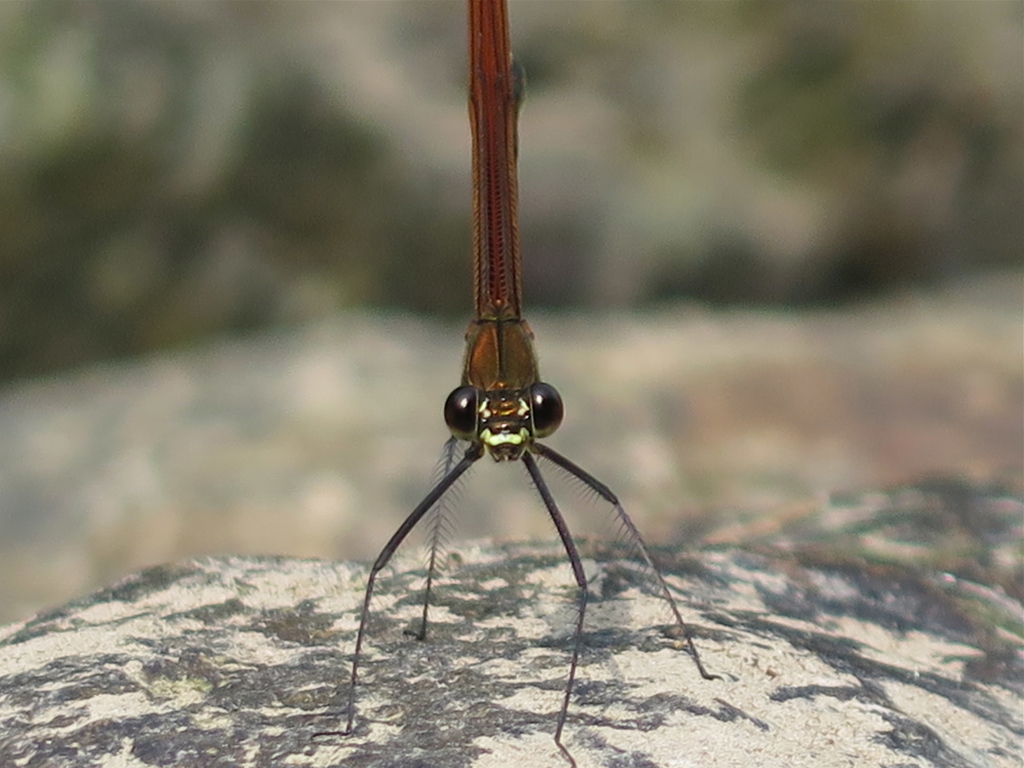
829,654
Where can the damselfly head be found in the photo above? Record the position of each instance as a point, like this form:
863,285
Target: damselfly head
506,421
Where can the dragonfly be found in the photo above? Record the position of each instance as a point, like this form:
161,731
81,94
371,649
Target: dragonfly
502,407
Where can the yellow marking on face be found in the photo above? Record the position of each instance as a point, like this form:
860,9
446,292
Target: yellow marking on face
504,438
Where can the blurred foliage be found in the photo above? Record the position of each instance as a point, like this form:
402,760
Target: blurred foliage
172,170
879,101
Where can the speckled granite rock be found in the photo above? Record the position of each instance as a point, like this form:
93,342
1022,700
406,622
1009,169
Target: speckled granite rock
846,656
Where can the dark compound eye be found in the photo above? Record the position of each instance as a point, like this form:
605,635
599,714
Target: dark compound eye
460,412
547,409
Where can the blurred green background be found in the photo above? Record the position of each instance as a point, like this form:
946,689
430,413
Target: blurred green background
173,170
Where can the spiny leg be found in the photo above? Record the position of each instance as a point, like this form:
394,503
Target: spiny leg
631,530
438,530
581,583
474,452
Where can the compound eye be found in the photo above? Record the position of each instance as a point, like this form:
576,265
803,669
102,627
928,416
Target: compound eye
547,409
460,412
